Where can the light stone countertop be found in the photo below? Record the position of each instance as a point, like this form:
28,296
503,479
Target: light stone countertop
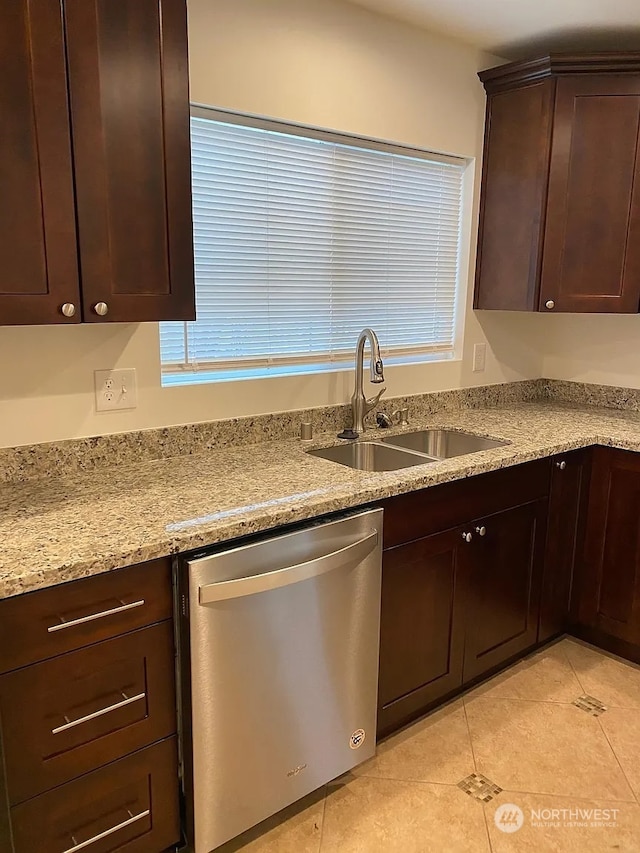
60,529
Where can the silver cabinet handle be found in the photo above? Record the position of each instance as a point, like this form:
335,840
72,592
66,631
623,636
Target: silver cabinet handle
68,309
467,537
481,530
73,723
561,465
550,305
73,622
352,553
108,832
101,308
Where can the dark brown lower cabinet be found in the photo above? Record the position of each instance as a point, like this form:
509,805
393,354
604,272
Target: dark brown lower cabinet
503,569
88,756
421,629
68,715
459,596
129,805
566,526
609,595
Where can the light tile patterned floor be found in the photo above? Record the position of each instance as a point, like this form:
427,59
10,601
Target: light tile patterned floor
519,737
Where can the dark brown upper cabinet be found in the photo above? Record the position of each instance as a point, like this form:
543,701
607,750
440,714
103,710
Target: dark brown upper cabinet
560,204
38,255
95,162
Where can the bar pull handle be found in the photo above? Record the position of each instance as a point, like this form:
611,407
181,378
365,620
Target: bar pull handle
93,616
73,723
108,832
353,553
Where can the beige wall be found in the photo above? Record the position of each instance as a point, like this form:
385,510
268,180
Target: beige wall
318,62
601,348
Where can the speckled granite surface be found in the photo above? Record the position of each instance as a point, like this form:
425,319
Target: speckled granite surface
90,454
58,529
64,458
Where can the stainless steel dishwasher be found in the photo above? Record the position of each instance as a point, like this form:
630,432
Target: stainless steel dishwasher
279,689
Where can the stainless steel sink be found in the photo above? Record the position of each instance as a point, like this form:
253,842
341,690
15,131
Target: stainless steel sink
371,456
443,443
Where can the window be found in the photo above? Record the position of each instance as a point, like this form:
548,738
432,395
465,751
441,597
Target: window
304,237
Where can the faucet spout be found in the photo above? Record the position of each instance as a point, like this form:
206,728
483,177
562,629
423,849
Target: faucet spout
360,406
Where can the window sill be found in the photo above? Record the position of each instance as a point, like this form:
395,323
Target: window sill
203,377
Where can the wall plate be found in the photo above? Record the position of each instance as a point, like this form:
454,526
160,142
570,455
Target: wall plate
116,389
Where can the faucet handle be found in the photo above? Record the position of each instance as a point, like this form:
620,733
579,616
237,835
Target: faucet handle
373,402
403,419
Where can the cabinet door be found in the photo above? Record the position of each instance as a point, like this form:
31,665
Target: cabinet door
514,185
503,570
610,594
128,78
592,239
37,217
565,534
421,632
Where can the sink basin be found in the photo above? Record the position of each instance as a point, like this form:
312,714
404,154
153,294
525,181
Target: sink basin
443,443
371,456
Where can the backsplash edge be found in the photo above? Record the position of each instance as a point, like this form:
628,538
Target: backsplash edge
28,462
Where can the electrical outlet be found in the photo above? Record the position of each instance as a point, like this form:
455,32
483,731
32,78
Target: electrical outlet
115,389
479,357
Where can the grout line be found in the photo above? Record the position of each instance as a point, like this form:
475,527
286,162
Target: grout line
473,752
631,788
568,796
475,767
522,699
575,672
486,825
324,817
408,781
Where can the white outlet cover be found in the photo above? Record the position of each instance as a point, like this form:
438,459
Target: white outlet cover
115,389
479,357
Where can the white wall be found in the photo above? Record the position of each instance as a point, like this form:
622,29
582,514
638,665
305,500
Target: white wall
319,62
600,348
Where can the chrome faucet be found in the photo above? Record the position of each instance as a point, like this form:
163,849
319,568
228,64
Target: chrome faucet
360,406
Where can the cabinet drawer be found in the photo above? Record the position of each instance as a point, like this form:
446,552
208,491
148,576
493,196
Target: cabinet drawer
417,514
46,623
131,805
64,717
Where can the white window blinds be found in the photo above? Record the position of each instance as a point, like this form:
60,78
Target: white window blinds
301,241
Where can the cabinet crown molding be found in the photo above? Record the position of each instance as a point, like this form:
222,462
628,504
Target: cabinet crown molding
516,74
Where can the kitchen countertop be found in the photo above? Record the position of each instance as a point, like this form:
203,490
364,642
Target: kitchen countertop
55,530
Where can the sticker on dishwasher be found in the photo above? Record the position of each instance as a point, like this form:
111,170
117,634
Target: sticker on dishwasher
357,738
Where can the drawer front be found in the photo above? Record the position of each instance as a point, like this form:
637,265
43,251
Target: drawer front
67,716
129,806
417,514
43,624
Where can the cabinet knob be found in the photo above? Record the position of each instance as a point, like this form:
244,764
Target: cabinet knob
467,537
68,309
550,304
561,465
101,308
482,530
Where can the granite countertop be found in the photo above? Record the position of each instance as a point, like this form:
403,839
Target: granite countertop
59,529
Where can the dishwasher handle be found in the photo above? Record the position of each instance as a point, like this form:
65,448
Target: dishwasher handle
352,553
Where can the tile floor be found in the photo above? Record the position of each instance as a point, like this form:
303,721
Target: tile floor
558,731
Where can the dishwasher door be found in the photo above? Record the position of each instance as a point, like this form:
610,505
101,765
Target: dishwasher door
284,637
